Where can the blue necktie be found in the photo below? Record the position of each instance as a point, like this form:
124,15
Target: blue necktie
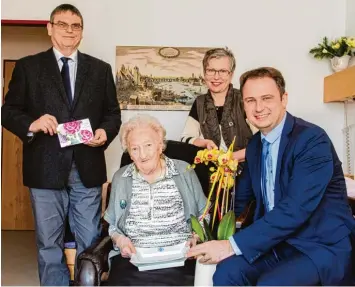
66,79
265,172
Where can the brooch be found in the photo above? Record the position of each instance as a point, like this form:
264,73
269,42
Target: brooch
123,204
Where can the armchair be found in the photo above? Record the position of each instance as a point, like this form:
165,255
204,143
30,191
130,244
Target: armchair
69,238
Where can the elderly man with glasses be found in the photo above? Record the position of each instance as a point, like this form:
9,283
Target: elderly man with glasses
58,86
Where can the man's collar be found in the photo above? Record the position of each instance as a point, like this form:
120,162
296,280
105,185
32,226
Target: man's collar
276,132
59,55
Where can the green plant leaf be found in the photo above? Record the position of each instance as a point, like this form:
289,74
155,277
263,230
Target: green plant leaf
196,227
226,227
207,230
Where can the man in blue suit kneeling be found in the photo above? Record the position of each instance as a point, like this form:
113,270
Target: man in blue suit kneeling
302,223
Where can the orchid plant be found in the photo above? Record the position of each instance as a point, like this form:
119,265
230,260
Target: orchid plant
222,179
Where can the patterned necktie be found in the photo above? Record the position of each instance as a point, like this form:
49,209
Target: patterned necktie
266,169
66,79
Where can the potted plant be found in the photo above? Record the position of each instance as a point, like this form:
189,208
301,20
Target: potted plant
339,51
222,180
226,228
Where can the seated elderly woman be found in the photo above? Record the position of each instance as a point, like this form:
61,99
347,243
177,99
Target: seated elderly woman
150,206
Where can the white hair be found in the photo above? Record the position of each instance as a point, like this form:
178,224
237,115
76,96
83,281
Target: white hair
142,121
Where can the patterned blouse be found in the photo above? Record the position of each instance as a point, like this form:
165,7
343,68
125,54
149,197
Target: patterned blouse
156,216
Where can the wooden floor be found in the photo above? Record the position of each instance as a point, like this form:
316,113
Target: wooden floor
18,259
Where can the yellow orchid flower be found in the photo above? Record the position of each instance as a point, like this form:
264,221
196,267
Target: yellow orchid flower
223,159
213,177
221,179
233,164
211,155
199,157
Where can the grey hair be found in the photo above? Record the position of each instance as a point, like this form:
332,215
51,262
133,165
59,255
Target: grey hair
64,8
142,121
218,53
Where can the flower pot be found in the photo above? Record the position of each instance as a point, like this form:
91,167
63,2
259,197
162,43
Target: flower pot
204,274
340,63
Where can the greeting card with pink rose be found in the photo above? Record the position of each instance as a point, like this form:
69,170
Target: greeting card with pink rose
76,132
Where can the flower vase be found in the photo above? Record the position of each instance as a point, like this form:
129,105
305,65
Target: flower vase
204,274
352,62
340,63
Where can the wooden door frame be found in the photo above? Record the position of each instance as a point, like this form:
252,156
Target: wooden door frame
3,88
26,23
17,23
3,98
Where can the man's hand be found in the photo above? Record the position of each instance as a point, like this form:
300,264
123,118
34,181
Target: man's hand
239,155
209,144
46,123
99,139
212,251
124,244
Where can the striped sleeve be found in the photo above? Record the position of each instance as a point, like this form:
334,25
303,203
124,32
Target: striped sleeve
192,129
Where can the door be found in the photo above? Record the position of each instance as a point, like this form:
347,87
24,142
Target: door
16,210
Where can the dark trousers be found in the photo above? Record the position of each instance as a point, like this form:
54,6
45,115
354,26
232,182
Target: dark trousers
50,208
123,273
283,266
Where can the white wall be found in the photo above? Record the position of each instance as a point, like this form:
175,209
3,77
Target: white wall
350,18
276,33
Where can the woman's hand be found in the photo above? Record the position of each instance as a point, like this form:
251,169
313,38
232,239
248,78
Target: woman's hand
193,240
209,144
124,244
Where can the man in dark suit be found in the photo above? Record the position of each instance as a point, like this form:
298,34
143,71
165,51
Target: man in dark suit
59,86
302,222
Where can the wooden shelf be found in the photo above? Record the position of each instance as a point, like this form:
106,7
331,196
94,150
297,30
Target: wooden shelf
340,86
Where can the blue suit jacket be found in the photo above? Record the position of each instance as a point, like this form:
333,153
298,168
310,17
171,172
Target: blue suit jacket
311,208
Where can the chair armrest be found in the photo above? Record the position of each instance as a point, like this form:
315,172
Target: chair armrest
92,262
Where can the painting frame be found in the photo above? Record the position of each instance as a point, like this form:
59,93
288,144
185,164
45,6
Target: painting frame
159,78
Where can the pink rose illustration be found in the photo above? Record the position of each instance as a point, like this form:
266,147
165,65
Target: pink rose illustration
72,127
86,135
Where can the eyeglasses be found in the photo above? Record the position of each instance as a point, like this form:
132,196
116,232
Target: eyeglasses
65,26
222,73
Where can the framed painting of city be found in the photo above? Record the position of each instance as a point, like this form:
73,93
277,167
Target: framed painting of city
159,78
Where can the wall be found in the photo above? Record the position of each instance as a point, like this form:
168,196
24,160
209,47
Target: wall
276,33
350,18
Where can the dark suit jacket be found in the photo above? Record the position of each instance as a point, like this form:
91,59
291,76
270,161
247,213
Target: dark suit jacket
311,209
36,89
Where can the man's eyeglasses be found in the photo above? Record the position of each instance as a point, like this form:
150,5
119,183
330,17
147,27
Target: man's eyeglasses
65,26
221,73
